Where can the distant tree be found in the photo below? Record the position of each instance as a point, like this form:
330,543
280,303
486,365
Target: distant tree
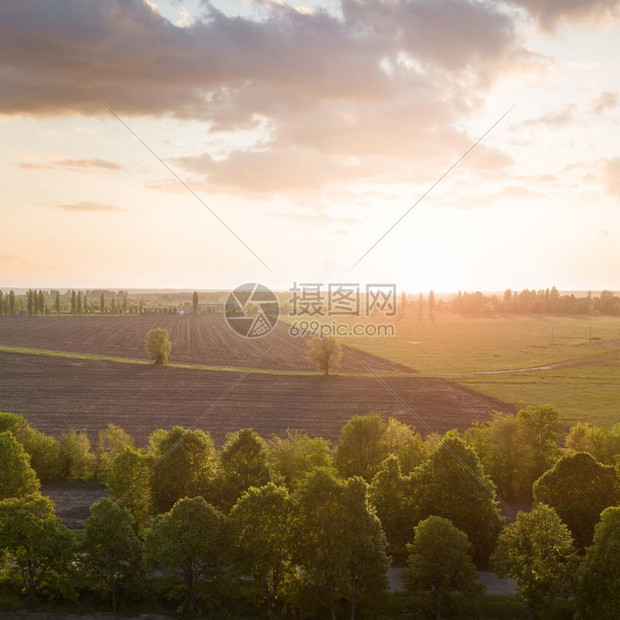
141,310
362,446
17,478
112,306
158,345
124,306
111,549
598,584
41,302
537,552
195,302
77,460
39,547
453,484
57,303
78,307
187,541
324,353
601,443
245,462
11,303
439,562
35,303
296,455
129,484
2,298
431,303
30,302
263,539
188,467
578,488
102,303
73,302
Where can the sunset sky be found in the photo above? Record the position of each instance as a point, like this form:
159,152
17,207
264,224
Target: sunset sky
309,128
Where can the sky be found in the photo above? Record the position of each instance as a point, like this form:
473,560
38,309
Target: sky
201,145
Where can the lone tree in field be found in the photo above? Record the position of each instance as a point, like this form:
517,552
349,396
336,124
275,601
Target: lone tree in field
158,345
195,302
324,353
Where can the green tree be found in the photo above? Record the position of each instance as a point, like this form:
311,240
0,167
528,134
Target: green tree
44,453
1,303
324,353
17,477
578,488
195,302
57,303
77,460
362,446
38,545
439,562
404,442
598,584
41,302
391,495
78,306
187,467
188,540
129,484
537,552
157,345
30,303
11,303
35,303
261,529
296,455
112,551
602,444
341,546
102,303
245,462
453,484
111,442
73,302
542,432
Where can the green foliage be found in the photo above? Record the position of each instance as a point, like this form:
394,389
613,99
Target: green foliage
453,484
39,547
111,549
77,460
111,442
598,586
579,489
245,462
405,443
324,353
188,467
157,345
391,495
537,552
602,444
362,446
44,452
296,455
188,540
195,302
17,478
439,561
129,483
341,546
261,530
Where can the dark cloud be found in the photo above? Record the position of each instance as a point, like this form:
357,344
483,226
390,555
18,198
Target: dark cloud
549,13
93,207
79,165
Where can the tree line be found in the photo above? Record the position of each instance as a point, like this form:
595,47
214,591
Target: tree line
298,527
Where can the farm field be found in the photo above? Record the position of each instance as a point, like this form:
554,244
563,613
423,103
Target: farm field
201,339
57,394
586,385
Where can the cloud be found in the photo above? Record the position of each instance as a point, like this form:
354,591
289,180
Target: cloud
94,207
550,13
611,175
559,118
605,101
75,165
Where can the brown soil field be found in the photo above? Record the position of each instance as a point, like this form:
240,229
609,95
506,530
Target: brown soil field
57,394
201,339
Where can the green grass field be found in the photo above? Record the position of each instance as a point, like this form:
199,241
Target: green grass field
587,388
